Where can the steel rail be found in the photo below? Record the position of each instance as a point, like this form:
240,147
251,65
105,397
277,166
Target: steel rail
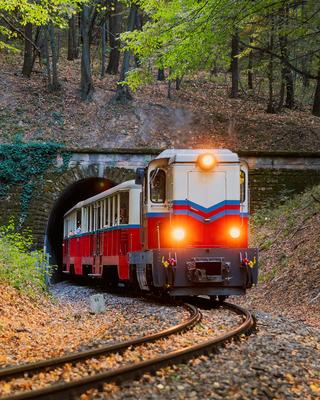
32,368
68,390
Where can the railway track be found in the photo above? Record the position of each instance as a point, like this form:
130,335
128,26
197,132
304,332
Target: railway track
74,388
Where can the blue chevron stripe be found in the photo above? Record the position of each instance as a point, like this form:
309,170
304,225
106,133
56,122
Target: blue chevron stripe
201,218
206,209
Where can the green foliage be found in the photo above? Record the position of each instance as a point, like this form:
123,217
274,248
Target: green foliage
38,13
185,36
25,164
20,267
265,277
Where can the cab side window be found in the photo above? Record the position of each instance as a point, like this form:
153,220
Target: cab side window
242,186
157,182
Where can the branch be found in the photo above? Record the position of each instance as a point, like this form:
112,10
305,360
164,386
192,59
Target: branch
282,59
314,198
19,32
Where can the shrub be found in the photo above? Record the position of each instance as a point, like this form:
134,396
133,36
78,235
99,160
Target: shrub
20,266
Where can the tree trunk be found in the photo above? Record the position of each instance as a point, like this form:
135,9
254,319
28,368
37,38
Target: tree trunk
54,84
286,71
178,83
170,89
250,66
86,84
115,21
306,60
73,41
270,107
59,43
103,50
161,76
138,26
28,52
39,39
235,66
282,92
45,54
123,94
316,100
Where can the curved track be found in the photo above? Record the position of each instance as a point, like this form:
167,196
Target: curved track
71,389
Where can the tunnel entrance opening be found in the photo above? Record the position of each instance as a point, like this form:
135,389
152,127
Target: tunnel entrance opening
74,193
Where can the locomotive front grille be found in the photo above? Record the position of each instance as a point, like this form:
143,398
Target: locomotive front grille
206,269
211,267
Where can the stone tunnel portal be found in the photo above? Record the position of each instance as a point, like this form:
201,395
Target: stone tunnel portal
74,193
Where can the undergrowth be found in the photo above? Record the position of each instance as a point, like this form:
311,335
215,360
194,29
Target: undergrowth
20,266
300,206
274,230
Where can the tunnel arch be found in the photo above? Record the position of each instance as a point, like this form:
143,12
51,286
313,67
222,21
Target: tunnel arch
77,188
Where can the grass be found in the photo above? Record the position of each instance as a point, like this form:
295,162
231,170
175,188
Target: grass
20,266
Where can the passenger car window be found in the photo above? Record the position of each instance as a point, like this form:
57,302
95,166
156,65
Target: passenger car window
124,208
157,179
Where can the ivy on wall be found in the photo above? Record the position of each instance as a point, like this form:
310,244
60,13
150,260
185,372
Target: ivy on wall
25,164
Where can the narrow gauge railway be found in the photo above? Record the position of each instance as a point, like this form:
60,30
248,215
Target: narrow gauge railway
73,388
180,228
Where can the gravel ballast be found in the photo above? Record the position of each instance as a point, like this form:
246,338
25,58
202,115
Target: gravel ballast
32,330
280,361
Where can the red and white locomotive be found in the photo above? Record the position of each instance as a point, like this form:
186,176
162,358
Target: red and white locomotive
180,227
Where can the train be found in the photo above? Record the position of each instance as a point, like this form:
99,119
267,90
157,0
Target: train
180,228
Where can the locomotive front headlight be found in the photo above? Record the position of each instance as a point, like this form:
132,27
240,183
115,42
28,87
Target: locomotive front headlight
178,234
235,232
206,161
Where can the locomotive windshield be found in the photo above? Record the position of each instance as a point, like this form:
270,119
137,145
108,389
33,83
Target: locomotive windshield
158,186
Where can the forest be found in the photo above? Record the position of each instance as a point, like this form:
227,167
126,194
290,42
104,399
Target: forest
266,48
91,91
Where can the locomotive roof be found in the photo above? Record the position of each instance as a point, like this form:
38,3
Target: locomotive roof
122,186
191,155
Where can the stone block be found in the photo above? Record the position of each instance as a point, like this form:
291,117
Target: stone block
97,304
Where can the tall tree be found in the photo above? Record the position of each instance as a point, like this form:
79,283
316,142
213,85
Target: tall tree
316,100
115,23
286,72
123,94
73,38
235,65
28,51
88,15
103,49
17,13
270,71
250,68
186,36
54,83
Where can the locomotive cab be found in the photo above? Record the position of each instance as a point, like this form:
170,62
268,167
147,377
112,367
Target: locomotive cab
184,201
194,223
